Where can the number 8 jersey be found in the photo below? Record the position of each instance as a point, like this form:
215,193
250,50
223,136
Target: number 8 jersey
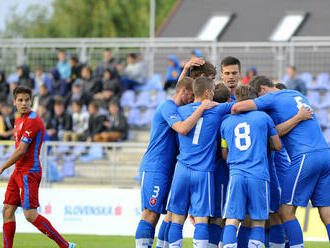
246,136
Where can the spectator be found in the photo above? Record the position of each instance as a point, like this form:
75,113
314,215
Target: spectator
173,72
111,82
24,78
108,62
79,123
95,122
63,65
133,74
90,85
295,83
108,95
44,114
57,86
10,97
78,94
43,98
195,54
40,78
4,87
116,125
250,73
60,122
76,68
7,121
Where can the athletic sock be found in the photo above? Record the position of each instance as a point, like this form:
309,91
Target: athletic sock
201,235
243,236
257,237
166,243
161,235
46,228
214,235
229,236
175,235
328,230
287,245
144,236
9,229
267,238
294,233
277,236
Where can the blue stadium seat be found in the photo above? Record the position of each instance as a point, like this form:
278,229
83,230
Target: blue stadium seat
127,100
78,150
143,99
62,149
146,117
327,135
2,150
314,98
133,116
308,78
95,152
325,101
322,116
52,174
155,82
322,81
68,167
160,97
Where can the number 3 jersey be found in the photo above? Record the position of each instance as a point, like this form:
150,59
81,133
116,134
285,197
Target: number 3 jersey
246,136
198,147
30,130
282,105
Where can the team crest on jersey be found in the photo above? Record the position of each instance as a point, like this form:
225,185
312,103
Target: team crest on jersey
153,202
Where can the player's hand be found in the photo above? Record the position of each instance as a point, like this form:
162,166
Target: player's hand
305,114
193,62
207,104
1,170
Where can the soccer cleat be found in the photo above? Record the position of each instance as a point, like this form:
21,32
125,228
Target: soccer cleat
72,245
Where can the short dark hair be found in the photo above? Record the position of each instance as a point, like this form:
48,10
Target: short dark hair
95,104
107,50
74,58
280,86
78,102
245,92
22,90
221,93
186,82
201,84
61,51
230,61
207,69
132,55
257,81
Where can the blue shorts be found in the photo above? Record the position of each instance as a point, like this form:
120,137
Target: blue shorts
308,178
221,176
154,191
275,197
192,190
246,195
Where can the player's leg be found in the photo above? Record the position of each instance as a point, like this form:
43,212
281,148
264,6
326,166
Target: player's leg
325,217
9,225
162,237
276,231
229,233
175,237
215,232
244,232
257,234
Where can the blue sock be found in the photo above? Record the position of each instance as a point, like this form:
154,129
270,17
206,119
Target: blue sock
161,235
201,235
243,237
257,237
293,232
229,235
166,232
214,235
277,234
287,245
175,235
328,230
144,235
267,238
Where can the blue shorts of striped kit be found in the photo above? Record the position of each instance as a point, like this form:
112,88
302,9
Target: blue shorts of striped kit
221,183
275,197
308,178
247,195
155,187
192,192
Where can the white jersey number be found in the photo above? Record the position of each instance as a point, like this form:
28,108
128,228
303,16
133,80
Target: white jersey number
197,131
300,104
156,191
242,136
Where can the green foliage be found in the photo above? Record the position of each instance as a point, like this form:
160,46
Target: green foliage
87,18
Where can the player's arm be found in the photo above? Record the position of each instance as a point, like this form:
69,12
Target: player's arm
190,63
243,106
275,142
224,149
302,115
184,127
17,155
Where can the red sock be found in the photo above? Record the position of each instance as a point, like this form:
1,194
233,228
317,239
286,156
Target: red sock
9,229
46,228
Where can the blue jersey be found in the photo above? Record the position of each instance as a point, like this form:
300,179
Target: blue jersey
281,159
232,98
246,136
285,104
197,149
163,147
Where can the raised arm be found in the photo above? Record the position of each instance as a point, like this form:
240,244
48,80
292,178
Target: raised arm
190,63
243,106
302,115
17,155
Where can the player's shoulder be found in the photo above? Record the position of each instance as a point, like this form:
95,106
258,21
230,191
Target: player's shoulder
34,118
167,104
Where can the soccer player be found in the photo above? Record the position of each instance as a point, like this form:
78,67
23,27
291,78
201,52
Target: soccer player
244,141
309,175
157,166
193,181
23,185
231,74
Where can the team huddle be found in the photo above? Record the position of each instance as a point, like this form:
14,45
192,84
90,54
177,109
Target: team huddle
237,159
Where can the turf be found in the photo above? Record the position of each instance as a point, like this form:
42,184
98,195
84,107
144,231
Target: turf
28,240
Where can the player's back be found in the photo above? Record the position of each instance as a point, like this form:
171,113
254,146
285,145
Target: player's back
246,136
29,129
198,147
162,149
284,104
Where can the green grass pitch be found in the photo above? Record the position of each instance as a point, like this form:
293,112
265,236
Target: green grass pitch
28,240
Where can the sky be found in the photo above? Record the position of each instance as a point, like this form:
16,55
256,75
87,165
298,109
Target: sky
5,6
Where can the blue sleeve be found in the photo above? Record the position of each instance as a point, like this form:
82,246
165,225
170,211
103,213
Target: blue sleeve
271,126
170,113
225,108
265,102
